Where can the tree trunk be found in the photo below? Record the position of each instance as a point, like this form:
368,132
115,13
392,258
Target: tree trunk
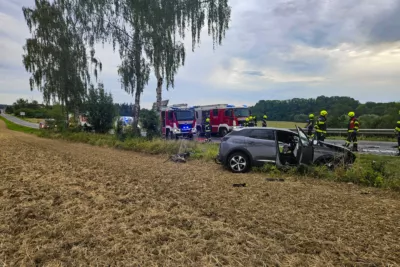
158,89
136,111
159,94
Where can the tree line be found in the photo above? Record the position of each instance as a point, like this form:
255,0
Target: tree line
372,115
149,34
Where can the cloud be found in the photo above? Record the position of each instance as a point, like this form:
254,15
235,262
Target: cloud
275,49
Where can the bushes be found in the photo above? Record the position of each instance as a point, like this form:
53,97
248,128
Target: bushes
368,170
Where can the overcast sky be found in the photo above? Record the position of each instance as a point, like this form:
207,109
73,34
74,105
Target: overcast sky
273,50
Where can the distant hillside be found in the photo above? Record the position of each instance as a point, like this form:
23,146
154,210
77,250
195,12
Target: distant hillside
371,114
3,106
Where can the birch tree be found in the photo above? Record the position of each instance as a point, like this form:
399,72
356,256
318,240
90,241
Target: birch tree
149,35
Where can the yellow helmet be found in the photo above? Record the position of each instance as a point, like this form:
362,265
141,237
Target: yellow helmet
208,120
265,116
324,113
247,119
311,116
351,114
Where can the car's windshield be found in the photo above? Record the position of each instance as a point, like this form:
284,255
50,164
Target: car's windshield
184,115
242,112
303,138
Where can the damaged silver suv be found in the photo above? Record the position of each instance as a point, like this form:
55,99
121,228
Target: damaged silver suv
244,148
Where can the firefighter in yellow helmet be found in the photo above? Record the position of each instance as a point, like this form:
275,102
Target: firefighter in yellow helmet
320,127
208,129
251,121
264,121
397,130
246,122
352,130
310,125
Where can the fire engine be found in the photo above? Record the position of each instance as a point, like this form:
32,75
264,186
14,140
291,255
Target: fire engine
178,121
223,117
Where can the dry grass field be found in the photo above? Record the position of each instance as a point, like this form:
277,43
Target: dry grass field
70,204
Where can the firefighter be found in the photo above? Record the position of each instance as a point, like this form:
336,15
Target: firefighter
208,130
255,120
250,121
397,130
320,127
310,125
264,121
246,122
352,130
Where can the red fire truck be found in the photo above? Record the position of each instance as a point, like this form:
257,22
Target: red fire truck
178,121
223,117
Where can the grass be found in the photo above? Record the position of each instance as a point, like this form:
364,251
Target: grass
368,170
292,125
16,127
157,146
33,120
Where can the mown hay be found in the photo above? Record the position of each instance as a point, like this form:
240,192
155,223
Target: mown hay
70,204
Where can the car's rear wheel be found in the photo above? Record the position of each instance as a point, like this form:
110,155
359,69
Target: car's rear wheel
238,162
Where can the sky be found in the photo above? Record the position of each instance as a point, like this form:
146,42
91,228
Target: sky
273,49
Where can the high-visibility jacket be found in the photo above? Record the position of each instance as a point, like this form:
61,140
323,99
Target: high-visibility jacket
310,124
321,125
208,127
264,123
353,125
397,129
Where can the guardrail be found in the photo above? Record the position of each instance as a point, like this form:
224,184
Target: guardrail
343,131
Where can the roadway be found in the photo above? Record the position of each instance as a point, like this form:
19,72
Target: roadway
19,121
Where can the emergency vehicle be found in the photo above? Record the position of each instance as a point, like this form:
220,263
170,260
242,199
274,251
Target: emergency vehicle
178,121
223,117
83,121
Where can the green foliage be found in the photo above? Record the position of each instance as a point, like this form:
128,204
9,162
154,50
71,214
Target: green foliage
56,56
9,110
100,108
148,33
371,115
150,123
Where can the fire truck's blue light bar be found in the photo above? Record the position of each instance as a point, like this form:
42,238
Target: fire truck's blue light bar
245,106
230,106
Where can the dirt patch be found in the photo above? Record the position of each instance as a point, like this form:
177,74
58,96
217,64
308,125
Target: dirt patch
65,204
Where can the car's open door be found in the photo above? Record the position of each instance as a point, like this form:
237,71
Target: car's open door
278,162
305,148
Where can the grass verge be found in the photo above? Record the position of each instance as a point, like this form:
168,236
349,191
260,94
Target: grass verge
368,170
156,146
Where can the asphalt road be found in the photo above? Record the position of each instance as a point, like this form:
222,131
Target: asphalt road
19,121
